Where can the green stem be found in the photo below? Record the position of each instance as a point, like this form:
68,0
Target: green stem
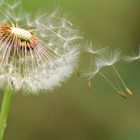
5,109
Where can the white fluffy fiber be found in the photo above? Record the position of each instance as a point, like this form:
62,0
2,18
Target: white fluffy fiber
56,35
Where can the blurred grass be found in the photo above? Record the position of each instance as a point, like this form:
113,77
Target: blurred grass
72,112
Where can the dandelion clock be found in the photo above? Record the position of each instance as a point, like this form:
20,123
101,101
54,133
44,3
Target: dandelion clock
36,53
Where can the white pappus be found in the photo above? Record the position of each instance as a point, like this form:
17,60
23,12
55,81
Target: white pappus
37,53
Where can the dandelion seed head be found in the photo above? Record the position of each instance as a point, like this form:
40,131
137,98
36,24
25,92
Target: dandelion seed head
37,53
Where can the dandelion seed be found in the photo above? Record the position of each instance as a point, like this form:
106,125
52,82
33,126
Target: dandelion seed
89,85
36,54
132,58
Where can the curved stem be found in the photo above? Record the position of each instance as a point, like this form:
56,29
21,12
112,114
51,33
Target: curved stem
5,109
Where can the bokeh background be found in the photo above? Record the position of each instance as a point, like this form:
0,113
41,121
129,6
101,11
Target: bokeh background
72,112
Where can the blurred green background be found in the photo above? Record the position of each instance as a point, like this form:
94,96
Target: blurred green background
72,112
